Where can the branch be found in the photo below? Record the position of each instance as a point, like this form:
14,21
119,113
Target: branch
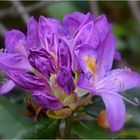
135,9
94,7
2,29
12,12
21,10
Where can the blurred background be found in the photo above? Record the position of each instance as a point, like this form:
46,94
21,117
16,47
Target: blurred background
125,17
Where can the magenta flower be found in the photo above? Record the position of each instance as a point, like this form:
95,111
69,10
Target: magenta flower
47,61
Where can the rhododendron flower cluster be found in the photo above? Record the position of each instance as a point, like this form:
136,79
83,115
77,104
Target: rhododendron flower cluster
56,60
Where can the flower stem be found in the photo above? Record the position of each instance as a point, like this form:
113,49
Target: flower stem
68,127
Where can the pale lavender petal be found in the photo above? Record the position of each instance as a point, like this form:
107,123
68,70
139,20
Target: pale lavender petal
106,52
13,62
7,87
120,80
46,101
15,42
115,110
65,80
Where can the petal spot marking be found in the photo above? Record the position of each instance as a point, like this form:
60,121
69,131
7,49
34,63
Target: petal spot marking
90,64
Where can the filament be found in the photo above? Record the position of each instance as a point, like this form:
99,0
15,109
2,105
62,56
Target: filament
129,101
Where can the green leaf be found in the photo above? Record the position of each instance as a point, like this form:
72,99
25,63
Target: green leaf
10,121
14,125
132,127
121,45
46,128
120,30
95,107
134,41
131,109
131,133
90,130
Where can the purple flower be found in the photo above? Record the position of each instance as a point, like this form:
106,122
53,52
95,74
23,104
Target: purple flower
48,60
73,23
42,61
7,86
30,61
64,80
99,79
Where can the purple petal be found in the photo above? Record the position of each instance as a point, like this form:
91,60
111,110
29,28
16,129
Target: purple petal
47,33
74,21
64,57
106,52
57,24
46,101
120,80
27,81
87,59
117,56
15,42
42,61
7,87
65,80
75,64
102,26
87,35
115,110
13,62
85,82
32,34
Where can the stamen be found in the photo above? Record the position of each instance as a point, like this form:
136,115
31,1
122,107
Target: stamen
137,100
129,101
116,83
